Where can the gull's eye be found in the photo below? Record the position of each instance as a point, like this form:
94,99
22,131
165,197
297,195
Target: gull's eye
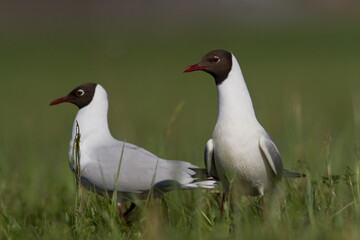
79,93
215,59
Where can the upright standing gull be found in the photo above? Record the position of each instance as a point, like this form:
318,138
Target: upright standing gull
101,154
240,149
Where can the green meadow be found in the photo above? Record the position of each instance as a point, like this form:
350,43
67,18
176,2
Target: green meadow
304,80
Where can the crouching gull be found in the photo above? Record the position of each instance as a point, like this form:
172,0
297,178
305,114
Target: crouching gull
102,156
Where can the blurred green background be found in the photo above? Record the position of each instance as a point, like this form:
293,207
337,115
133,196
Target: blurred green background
300,62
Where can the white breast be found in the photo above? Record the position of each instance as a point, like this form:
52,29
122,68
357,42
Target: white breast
238,157
93,126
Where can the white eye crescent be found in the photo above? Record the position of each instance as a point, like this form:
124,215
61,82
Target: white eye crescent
215,59
80,92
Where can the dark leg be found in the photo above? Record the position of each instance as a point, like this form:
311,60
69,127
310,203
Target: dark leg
222,205
132,206
262,206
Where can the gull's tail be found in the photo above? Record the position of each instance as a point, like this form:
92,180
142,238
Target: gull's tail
201,179
291,174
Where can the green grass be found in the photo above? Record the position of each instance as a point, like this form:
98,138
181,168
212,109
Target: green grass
304,82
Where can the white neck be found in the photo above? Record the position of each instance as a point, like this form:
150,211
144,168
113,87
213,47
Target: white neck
233,96
92,119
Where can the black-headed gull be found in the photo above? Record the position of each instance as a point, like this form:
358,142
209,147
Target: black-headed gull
140,170
240,149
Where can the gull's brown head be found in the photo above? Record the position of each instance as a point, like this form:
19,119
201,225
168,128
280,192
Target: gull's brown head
218,63
81,96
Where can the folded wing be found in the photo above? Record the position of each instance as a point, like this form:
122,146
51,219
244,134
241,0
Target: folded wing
271,154
139,170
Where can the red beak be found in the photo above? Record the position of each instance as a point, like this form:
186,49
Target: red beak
60,100
192,68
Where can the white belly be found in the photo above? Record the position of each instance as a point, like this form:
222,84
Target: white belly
239,161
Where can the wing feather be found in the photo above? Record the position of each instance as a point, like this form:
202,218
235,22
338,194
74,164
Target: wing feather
272,154
139,169
210,159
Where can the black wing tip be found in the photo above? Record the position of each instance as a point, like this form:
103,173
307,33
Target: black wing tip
291,174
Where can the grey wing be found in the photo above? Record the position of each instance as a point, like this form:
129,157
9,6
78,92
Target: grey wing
210,159
139,169
271,154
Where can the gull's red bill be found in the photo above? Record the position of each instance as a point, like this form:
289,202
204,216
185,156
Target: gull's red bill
60,100
192,68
